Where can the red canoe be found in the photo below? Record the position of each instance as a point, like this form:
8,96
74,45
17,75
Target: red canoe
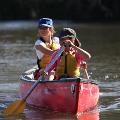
72,95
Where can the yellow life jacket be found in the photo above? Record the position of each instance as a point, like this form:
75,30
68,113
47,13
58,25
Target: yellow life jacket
46,58
68,66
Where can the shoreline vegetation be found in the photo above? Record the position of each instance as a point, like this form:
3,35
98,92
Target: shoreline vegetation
77,11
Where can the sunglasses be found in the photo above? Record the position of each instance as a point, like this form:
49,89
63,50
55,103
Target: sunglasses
66,38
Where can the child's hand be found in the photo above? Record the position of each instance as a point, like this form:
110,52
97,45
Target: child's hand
83,65
68,43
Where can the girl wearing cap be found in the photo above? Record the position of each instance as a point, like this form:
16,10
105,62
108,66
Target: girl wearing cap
69,63
46,44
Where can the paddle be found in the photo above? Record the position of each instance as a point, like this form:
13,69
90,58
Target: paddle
84,66
86,73
18,106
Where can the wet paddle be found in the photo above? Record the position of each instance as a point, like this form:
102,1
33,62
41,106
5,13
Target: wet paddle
18,106
86,73
84,66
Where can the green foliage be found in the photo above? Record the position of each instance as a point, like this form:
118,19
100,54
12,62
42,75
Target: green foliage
79,10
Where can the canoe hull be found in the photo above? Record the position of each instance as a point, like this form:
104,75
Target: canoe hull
67,95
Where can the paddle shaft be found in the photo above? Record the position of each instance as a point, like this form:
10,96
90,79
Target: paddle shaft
48,67
86,73
31,89
58,54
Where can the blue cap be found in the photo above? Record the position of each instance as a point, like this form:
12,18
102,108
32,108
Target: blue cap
47,22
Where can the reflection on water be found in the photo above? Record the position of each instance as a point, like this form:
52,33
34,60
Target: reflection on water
31,114
17,55
47,115
93,115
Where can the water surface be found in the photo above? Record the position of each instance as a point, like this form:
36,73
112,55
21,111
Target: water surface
17,55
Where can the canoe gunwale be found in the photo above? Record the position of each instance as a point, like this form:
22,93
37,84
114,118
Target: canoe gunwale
26,78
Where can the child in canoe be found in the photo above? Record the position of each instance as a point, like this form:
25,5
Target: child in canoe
68,64
45,45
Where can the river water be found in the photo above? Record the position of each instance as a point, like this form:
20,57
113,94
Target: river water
18,55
